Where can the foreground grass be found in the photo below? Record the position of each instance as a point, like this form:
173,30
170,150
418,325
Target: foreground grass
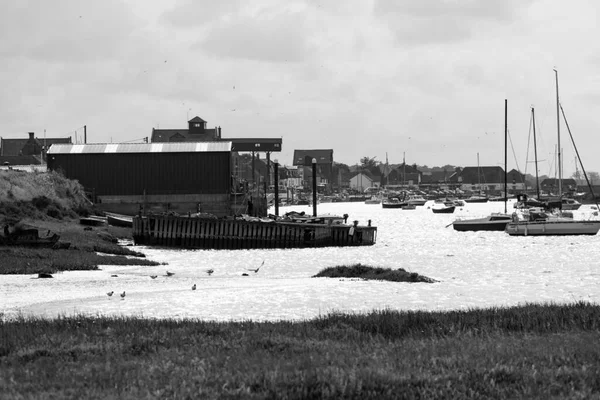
368,273
532,351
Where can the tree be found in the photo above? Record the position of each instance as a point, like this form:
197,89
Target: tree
368,163
593,177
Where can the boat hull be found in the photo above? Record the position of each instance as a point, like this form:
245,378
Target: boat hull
445,210
119,221
490,223
552,228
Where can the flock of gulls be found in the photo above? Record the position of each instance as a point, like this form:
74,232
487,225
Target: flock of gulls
168,274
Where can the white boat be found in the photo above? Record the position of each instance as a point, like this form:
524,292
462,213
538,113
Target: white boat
416,200
373,200
570,204
535,223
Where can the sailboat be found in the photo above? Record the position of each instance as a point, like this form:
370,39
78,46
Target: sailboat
539,223
494,221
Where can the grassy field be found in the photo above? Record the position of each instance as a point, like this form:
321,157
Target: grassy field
532,351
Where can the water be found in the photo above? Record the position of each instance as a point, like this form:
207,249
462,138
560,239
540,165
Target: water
473,269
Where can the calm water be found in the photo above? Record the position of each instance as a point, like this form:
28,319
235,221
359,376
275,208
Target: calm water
474,269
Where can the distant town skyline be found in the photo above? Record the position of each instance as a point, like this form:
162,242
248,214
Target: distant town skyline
362,77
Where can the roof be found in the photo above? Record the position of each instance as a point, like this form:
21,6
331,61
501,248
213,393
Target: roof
483,175
196,119
12,147
256,144
183,135
301,157
111,148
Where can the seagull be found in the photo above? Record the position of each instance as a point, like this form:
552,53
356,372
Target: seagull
210,271
256,270
170,273
194,287
153,276
110,293
123,295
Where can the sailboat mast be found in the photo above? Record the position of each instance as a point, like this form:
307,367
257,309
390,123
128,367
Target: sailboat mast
478,174
537,179
559,165
403,168
505,157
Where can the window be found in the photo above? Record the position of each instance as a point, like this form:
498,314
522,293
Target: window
197,125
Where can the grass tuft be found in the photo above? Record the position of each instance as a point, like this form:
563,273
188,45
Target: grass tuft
372,273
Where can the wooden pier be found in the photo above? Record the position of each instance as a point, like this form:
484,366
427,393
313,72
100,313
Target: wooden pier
203,233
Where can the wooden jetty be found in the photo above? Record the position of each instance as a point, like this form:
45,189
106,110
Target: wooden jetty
205,233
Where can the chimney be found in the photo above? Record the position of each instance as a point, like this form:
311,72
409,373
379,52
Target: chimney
31,134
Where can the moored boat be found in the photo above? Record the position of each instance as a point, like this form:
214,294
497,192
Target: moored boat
392,202
119,220
29,237
92,221
536,222
492,222
443,210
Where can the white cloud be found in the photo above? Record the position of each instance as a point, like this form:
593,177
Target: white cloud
427,78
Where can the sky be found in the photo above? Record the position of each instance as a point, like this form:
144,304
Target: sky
425,80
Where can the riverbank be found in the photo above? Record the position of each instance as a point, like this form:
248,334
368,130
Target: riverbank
48,202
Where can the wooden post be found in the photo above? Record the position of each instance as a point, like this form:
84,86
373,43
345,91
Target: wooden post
314,186
276,179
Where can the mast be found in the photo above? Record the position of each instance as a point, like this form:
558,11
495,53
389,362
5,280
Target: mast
537,179
505,157
559,165
403,168
478,174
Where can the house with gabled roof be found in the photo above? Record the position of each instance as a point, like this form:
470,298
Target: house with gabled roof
404,174
550,185
30,151
480,178
324,163
196,132
364,179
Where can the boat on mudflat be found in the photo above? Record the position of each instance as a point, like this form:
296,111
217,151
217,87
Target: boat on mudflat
119,220
29,237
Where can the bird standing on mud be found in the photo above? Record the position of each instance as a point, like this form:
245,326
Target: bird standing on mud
210,271
194,287
110,293
153,276
256,270
170,273
123,295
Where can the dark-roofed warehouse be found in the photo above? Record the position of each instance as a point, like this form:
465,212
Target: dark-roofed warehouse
126,177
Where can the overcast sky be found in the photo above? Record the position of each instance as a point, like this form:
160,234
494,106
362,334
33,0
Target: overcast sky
365,78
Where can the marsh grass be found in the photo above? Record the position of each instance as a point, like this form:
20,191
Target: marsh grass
372,273
82,254
530,351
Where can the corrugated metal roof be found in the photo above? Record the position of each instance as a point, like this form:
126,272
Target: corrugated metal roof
109,148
